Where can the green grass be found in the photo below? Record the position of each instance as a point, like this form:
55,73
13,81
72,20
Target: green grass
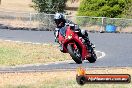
20,86
59,79
12,54
72,84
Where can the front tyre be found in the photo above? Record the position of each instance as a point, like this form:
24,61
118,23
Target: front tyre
75,54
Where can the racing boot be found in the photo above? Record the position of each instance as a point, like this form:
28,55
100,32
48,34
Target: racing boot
56,40
61,47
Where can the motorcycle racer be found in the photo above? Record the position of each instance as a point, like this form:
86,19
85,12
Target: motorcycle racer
61,25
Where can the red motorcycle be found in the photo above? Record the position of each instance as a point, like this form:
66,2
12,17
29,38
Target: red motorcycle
74,45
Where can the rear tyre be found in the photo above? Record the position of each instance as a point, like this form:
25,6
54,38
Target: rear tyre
93,57
75,54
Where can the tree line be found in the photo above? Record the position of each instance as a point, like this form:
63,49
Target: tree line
98,8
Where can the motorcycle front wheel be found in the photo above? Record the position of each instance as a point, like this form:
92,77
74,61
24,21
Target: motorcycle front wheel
75,54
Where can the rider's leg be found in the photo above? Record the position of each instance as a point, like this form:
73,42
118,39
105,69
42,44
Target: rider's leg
56,34
85,36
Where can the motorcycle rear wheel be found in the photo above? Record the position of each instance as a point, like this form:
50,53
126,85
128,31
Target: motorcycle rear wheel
75,54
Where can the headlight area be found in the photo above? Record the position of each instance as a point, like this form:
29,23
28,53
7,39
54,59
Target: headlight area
69,37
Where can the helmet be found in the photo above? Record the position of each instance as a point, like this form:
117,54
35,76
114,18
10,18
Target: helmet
59,18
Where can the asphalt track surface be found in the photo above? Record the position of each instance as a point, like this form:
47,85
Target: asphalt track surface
117,48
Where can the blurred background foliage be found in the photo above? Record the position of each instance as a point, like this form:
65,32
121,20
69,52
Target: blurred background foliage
49,6
106,8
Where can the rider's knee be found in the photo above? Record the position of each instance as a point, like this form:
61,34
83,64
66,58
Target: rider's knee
84,32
